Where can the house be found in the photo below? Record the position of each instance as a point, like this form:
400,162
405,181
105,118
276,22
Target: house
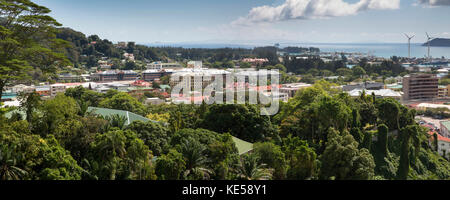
255,61
154,101
443,144
292,88
242,146
445,128
43,90
195,64
367,86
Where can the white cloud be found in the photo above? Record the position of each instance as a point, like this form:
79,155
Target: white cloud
313,9
435,2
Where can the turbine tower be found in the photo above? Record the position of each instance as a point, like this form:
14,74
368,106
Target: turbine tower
428,44
409,44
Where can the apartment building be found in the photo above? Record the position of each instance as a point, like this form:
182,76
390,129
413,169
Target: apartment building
420,87
443,91
57,88
152,74
160,65
196,78
114,75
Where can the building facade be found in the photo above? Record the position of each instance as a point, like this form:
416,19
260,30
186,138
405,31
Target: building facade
420,87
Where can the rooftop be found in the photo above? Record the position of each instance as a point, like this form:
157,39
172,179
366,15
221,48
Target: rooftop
382,93
131,117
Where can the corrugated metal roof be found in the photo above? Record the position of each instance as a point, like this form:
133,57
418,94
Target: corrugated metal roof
242,146
131,117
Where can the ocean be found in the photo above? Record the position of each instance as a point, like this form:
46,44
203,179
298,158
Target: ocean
385,50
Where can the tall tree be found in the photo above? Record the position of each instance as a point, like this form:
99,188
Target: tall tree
27,39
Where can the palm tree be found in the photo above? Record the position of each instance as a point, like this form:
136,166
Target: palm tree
111,148
116,121
8,168
193,153
250,169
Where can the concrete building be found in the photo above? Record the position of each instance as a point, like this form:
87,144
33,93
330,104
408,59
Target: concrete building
114,75
187,77
195,64
127,75
292,88
420,87
154,101
43,90
367,86
68,77
443,91
57,88
152,74
383,93
160,65
255,61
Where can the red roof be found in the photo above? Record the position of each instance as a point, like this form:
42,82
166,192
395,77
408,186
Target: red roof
440,137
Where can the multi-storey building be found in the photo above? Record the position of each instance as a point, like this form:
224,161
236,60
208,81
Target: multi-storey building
420,87
160,65
57,88
196,78
127,75
152,74
443,91
113,75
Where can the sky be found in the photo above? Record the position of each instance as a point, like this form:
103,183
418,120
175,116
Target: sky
255,21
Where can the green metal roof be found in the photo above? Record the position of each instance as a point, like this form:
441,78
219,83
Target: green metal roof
446,124
242,146
164,86
131,117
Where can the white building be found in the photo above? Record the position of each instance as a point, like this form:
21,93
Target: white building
383,93
160,65
443,145
57,88
154,101
445,127
195,64
292,88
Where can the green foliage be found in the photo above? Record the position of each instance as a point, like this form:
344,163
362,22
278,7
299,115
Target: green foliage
272,155
120,155
54,112
154,135
242,121
27,40
389,113
301,159
30,157
123,101
170,166
342,160
251,169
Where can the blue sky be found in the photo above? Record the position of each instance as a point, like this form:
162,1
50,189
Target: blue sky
234,21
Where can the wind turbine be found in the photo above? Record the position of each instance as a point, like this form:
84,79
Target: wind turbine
409,44
428,44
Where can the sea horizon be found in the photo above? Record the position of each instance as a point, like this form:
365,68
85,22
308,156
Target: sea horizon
379,49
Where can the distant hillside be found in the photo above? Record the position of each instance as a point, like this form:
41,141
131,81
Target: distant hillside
439,42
